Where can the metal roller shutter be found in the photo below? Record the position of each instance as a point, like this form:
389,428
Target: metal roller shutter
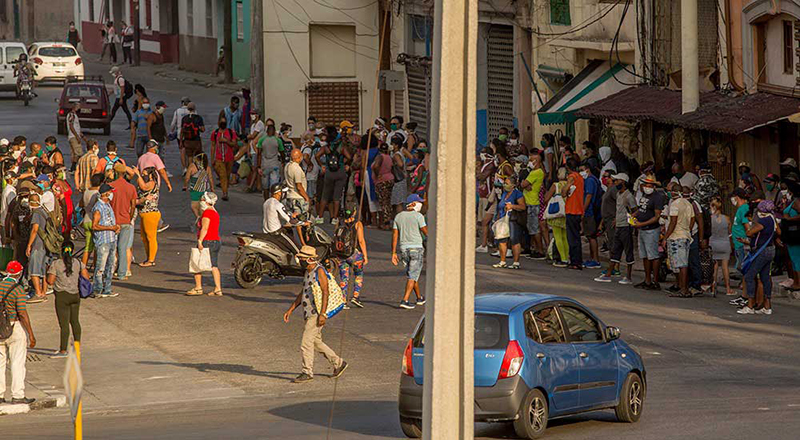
419,98
500,77
334,102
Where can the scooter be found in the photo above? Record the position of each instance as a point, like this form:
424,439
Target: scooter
275,255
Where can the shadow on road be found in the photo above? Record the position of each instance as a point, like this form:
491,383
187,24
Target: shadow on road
370,418
228,368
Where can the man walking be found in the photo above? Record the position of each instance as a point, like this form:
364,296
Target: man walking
191,126
104,235
13,350
123,92
314,321
573,194
175,128
408,230
74,135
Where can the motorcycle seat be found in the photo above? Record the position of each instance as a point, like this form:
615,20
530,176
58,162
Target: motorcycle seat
278,239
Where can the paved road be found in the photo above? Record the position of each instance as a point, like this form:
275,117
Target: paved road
158,364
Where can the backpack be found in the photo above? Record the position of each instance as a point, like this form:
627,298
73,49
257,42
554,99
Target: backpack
51,235
5,323
110,162
189,128
344,240
128,89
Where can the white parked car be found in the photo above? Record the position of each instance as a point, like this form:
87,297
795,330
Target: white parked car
55,61
9,55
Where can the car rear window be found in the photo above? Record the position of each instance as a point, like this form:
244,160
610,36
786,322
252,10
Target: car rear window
57,52
491,332
13,53
83,92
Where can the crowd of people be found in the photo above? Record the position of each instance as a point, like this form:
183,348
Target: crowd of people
543,202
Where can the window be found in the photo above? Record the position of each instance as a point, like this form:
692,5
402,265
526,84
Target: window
189,17
239,21
581,326
559,12
210,18
333,51
788,48
548,327
57,52
491,331
13,53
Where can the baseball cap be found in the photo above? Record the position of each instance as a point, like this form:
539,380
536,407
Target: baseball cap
621,176
114,69
43,178
790,162
161,104
4,142
771,177
740,193
104,188
185,99
14,267
413,198
191,106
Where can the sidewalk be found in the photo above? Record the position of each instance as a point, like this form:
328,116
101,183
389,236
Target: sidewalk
172,72
47,395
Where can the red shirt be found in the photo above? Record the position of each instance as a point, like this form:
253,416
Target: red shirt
124,194
224,152
574,203
213,226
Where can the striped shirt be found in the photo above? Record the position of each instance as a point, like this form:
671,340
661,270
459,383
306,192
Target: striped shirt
86,166
15,297
106,219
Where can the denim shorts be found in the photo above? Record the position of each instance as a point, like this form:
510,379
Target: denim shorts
413,260
516,234
37,263
297,206
312,189
213,250
678,252
648,243
533,219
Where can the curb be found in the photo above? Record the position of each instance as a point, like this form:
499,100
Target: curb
53,399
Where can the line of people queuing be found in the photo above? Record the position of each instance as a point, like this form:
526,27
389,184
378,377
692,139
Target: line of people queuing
548,200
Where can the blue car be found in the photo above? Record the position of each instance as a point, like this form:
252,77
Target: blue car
537,357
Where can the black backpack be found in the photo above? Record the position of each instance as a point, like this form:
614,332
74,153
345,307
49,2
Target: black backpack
344,240
128,89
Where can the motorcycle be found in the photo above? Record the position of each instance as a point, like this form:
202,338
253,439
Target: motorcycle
275,255
26,90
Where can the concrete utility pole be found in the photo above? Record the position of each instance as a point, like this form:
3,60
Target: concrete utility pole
227,45
448,400
690,70
137,34
257,55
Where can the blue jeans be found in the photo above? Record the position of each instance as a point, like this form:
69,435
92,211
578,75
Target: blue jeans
412,259
104,268
124,242
695,271
760,266
141,141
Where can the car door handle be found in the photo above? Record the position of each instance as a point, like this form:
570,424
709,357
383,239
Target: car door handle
583,355
540,355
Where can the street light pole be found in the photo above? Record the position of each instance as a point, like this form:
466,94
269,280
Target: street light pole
448,411
257,55
137,34
227,42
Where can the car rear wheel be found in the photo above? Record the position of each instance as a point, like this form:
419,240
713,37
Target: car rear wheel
631,399
412,428
532,416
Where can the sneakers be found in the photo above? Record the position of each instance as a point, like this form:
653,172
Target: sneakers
625,280
536,256
421,301
356,302
319,221
764,311
746,311
406,305
654,286
787,283
163,228
559,264
592,264
25,400
500,265
109,295
482,249
514,266
304,378
603,279
508,253
57,355
335,222
642,285
614,273
738,301
338,372
36,299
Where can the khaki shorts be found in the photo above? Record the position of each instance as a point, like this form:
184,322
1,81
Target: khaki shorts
483,203
76,147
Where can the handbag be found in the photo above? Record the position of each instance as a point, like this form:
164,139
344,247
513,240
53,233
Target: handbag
85,287
336,299
200,261
501,229
748,261
555,208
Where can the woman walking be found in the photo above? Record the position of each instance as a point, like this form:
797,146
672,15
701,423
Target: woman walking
149,213
558,225
720,243
384,181
352,230
199,179
63,276
208,237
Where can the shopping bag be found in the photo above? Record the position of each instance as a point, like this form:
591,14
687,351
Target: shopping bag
501,229
336,298
200,261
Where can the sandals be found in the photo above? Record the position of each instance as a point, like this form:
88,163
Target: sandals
147,263
215,293
194,292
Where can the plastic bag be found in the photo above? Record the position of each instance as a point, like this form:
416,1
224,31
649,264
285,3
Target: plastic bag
200,261
501,229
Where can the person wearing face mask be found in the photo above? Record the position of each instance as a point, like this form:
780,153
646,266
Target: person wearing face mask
311,127
51,154
706,187
396,129
139,127
35,250
512,204
17,227
592,200
233,115
73,37
86,165
589,155
487,202
74,135
17,344
400,187
623,232
208,237
104,235
502,134
607,165
647,170
9,194
748,180
63,193
682,177
192,126
268,161
772,189
677,239
408,232
720,243
547,144
199,179
224,142
156,127
647,222
531,190
574,198
123,203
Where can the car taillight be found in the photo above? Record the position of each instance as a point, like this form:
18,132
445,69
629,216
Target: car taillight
408,355
38,61
78,61
105,113
512,361
61,112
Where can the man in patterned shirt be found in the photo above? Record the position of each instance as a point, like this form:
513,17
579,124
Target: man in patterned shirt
105,230
312,332
14,349
706,187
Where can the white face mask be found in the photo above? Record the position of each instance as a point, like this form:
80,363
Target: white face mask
310,127
530,165
733,201
160,110
584,174
146,106
647,190
288,133
417,207
16,154
95,150
203,205
513,142
253,118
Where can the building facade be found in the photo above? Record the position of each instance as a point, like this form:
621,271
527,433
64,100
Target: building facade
35,20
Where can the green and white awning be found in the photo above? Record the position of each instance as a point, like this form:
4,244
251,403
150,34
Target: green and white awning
596,81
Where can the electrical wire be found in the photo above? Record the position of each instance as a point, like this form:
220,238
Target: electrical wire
583,25
322,28
345,9
615,44
342,11
285,38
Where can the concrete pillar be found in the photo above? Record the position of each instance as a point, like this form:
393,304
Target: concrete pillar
690,70
448,401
